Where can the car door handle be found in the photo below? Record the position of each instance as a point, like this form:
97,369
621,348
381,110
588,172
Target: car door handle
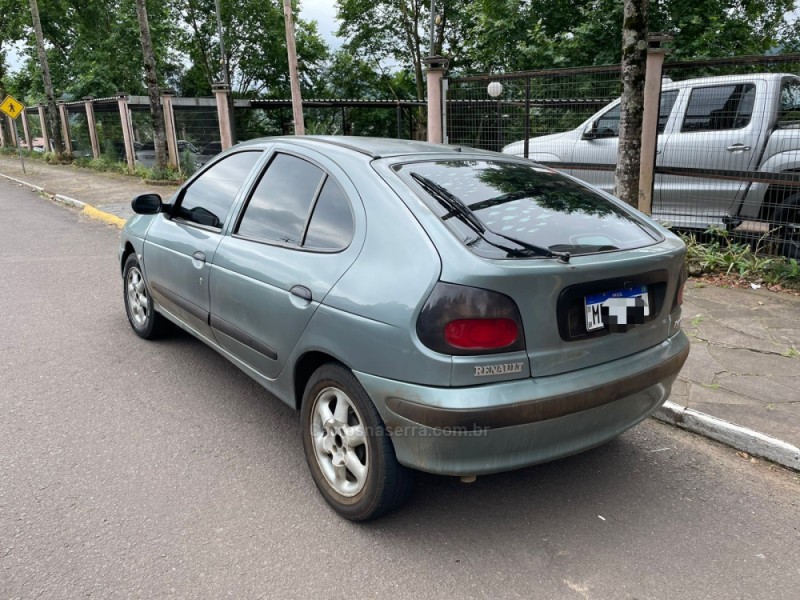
738,148
199,256
301,292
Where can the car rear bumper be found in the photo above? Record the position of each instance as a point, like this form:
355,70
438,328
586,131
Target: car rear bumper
502,426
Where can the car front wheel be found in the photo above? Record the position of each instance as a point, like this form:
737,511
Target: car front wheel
347,447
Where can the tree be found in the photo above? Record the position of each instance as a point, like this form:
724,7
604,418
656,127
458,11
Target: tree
634,61
397,30
255,45
153,91
52,114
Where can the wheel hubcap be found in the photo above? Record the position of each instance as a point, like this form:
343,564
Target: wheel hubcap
137,297
340,441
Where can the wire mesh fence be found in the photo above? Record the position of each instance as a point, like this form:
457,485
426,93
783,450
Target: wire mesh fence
494,112
728,150
78,128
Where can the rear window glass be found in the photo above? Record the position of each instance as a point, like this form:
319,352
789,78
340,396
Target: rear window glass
524,204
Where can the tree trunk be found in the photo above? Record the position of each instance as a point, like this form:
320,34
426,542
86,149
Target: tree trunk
153,92
294,79
53,123
634,61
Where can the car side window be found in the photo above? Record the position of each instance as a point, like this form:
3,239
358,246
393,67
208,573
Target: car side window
331,224
790,101
207,200
278,209
719,107
608,123
664,110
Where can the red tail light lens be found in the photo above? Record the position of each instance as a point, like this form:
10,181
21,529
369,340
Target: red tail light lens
481,334
461,320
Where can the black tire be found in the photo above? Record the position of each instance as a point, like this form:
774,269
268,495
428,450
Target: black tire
387,484
786,221
142,316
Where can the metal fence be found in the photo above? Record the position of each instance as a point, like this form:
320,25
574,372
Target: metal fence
197,130
728,150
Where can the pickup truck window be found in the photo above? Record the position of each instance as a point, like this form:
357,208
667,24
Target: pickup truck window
719,107
790,101
607,125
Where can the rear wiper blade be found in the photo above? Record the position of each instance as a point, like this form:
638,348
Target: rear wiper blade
458,208
540,250
450,202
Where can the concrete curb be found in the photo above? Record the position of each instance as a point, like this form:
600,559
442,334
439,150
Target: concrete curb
87,209
741,438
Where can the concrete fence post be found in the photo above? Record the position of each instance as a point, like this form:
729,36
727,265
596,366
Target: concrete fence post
223,114
43,123
27,130
127,130
437,66
169,125
652,100
62,111
90,122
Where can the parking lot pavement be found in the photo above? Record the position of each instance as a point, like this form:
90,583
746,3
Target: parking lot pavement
138,469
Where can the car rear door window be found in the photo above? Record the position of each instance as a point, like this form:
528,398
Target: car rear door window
331,224
720,107
279,207
209,197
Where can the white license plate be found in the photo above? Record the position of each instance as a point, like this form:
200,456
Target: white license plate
617,309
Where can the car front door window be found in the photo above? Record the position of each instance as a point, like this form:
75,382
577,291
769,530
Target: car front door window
208,199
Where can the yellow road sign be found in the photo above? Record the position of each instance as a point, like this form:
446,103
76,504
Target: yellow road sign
12,107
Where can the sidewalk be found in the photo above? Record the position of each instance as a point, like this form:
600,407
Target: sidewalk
740,384
108,192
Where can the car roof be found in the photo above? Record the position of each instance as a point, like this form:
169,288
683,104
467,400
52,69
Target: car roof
676,85
371,146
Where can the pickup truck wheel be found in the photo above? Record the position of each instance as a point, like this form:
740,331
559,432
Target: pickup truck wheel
348,450
786,222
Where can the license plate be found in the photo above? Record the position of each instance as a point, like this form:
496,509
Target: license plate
617,310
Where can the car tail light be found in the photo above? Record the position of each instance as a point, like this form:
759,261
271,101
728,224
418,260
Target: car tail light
462,320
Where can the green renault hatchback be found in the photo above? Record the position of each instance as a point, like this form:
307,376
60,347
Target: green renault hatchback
423,306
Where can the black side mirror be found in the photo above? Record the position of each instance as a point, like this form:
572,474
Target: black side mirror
147,204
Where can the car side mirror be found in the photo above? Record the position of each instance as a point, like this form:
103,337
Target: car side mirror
589,133
147,204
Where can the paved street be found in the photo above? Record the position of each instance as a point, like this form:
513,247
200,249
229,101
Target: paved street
136,469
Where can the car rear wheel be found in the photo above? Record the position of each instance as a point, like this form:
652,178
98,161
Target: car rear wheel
787,224
347,447
144,320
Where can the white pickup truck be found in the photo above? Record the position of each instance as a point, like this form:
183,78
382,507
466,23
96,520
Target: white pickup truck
741,131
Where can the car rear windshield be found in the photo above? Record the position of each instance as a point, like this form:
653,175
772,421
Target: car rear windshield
520,206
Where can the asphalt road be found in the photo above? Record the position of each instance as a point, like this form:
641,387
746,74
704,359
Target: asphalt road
156,469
